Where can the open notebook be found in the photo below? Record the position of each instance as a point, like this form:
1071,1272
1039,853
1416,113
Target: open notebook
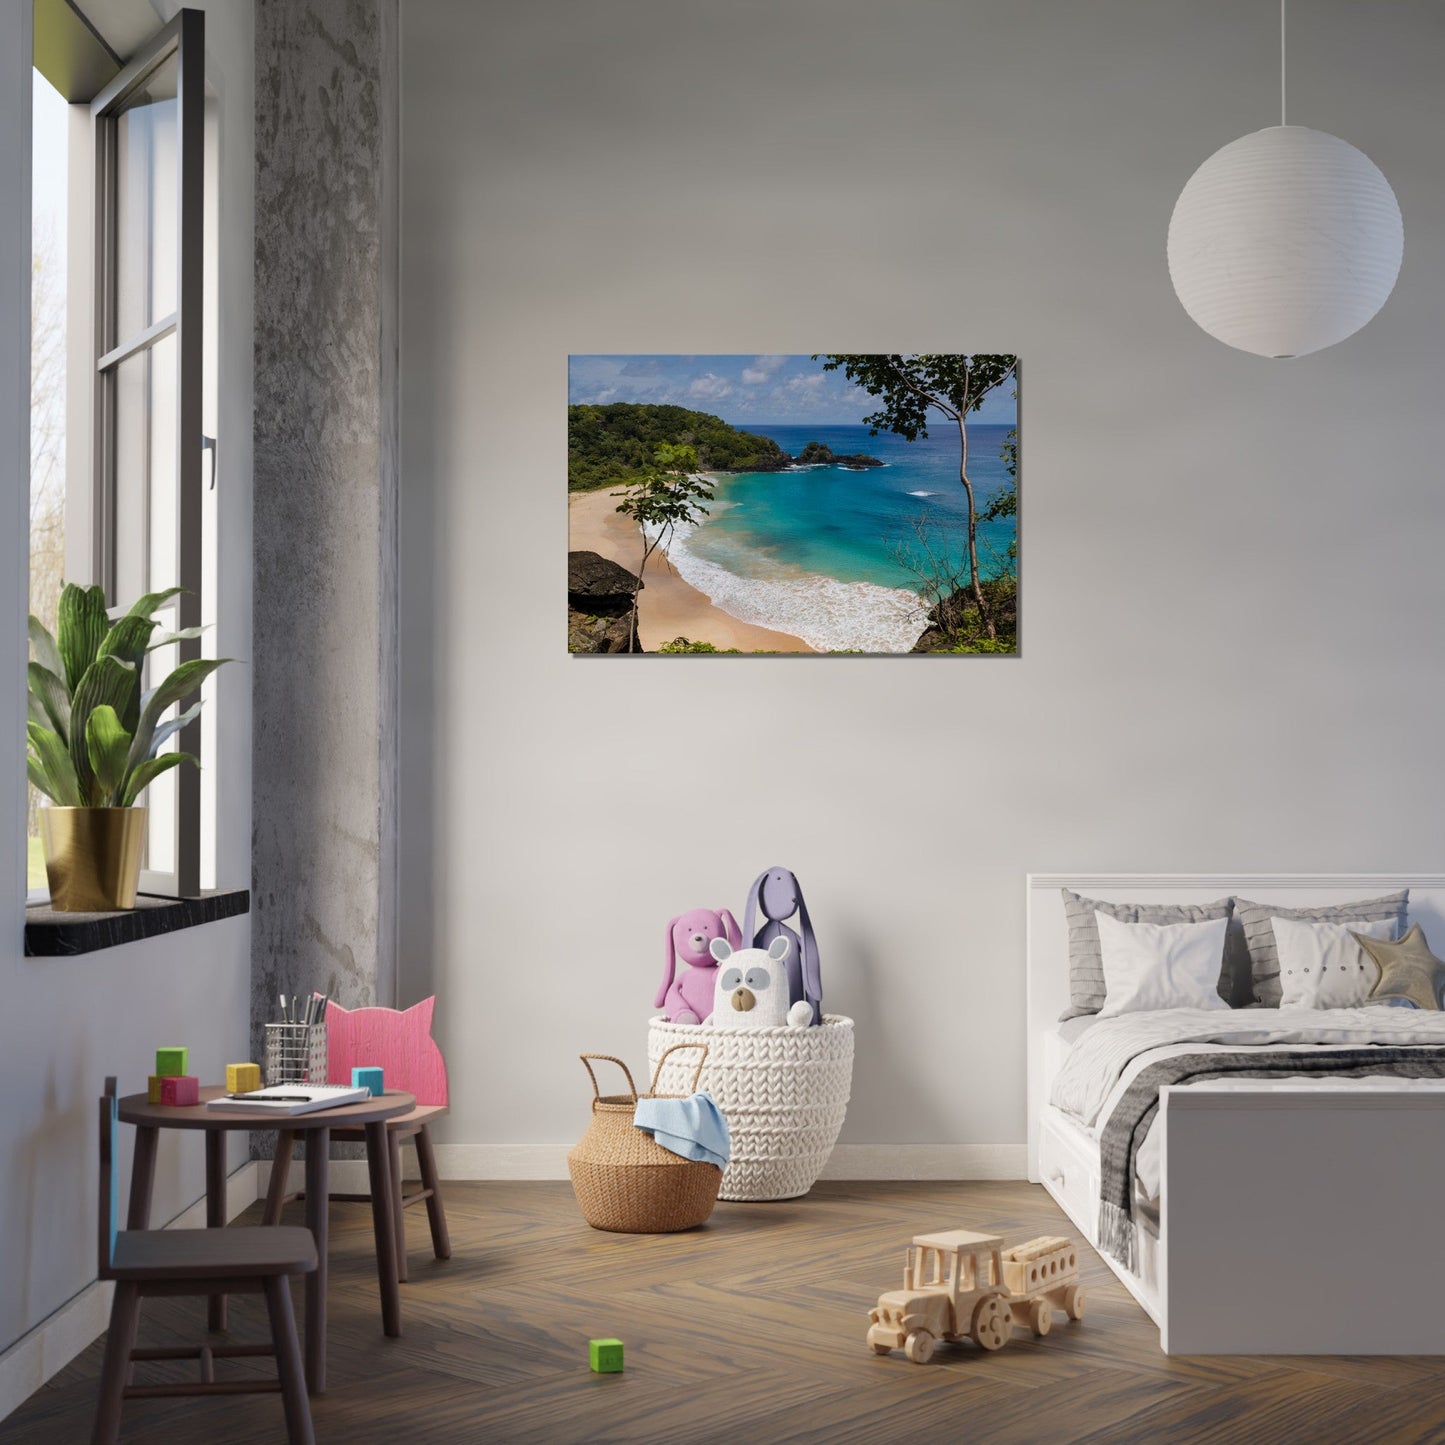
292,1098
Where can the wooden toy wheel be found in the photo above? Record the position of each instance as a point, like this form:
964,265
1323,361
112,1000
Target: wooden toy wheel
919,1347
1074,1302
992,1323
1041,1317
879,1348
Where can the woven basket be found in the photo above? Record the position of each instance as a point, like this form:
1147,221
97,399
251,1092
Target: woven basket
624,1180
783,1091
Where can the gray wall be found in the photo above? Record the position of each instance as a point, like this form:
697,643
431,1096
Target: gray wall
67,1023
1231,575
325,560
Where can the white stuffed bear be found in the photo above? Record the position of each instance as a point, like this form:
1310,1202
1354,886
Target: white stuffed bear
751,991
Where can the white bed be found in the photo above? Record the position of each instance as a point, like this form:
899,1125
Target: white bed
1293,1216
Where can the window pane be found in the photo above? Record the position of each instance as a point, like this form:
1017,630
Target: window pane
146,205
145,472
49,159
164,570
160,797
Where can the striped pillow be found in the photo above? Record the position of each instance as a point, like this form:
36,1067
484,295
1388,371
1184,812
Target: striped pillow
1259,940
1086,967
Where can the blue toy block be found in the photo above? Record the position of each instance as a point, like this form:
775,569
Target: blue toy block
369,1079
605,1356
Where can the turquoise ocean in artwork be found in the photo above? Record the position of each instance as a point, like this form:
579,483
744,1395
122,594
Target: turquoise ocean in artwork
809,551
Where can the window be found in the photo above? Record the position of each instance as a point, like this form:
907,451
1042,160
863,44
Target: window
139,346
50,125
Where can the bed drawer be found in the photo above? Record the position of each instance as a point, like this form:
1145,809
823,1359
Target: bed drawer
1069,1166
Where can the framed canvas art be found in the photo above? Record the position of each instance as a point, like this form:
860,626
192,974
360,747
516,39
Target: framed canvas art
849,503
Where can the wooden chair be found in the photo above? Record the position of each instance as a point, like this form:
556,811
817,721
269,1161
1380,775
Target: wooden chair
194,1262
399,1042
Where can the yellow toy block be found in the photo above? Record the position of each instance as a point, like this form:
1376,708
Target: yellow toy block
153,1088
242,1078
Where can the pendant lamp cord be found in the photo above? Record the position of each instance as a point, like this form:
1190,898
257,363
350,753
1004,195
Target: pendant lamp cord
1281,62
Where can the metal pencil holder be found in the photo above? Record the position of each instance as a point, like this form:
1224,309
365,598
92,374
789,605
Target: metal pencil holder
295,1054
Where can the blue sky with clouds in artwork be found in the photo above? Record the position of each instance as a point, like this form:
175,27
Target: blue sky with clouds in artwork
741,389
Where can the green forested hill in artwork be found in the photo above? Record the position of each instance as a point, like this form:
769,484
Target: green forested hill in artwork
611,444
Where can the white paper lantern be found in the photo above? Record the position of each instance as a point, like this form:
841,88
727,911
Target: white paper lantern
1285,242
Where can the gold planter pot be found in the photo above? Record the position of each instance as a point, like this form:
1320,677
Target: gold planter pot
92,857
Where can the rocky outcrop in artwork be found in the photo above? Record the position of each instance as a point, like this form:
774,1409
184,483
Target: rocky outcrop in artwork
601,601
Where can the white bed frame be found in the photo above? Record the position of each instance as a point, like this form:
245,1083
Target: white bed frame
1297,1218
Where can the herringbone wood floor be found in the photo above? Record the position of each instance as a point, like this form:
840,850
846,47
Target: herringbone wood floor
751,1328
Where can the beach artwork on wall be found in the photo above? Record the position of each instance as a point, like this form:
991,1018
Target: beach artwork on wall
860,503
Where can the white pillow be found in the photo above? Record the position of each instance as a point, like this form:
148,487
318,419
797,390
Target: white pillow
1321,966
1160,965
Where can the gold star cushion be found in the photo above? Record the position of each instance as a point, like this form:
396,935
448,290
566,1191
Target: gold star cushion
1408,969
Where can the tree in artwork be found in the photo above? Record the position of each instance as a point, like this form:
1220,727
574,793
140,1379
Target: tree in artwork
669,493
909,387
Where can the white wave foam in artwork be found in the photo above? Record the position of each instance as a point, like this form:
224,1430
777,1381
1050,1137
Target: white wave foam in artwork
828,615
925,494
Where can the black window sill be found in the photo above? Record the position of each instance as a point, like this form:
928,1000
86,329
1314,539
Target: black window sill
49,934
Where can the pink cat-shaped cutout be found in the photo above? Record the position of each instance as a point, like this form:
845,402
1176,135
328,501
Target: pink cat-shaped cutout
397,1042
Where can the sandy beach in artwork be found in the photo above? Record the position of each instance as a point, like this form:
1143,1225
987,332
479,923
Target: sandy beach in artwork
668,607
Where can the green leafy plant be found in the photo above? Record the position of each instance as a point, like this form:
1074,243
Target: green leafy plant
683,644
94,737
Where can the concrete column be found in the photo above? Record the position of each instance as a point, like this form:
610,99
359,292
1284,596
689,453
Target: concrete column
324,800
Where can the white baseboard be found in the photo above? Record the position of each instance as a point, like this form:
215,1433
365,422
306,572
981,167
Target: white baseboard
927,1161
51,1345
849,1161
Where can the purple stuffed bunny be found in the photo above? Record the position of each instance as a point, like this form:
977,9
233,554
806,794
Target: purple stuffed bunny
688,996
777,895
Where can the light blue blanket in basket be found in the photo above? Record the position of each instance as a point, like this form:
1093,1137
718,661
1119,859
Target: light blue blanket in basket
694,1128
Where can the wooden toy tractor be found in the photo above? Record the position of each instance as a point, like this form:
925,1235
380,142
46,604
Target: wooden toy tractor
958,1284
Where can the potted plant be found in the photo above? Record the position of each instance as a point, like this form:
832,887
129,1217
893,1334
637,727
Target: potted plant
95,739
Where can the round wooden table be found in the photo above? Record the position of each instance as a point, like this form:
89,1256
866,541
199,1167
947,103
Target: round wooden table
371,1114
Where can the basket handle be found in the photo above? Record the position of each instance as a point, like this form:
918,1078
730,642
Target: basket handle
697,1074
607,1059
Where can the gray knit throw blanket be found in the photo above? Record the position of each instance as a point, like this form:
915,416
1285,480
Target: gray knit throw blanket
1129,1122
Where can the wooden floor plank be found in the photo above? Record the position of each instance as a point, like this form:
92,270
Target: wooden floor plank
750,1329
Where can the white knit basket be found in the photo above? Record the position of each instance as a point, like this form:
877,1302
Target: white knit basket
783,1091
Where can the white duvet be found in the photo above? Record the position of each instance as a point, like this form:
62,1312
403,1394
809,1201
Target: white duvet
1108,1055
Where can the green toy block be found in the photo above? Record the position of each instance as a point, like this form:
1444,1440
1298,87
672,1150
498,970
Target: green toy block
605,1356
172,1063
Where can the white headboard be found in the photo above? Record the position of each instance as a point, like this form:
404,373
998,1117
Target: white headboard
1047,938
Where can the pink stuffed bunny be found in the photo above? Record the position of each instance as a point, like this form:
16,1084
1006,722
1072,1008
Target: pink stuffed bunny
688,997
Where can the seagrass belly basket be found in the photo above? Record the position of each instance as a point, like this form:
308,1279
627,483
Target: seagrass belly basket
624,1180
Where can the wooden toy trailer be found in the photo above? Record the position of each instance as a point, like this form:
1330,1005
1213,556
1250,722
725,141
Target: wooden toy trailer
1042,1276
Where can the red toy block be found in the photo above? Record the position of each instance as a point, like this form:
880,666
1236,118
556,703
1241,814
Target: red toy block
181,1089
